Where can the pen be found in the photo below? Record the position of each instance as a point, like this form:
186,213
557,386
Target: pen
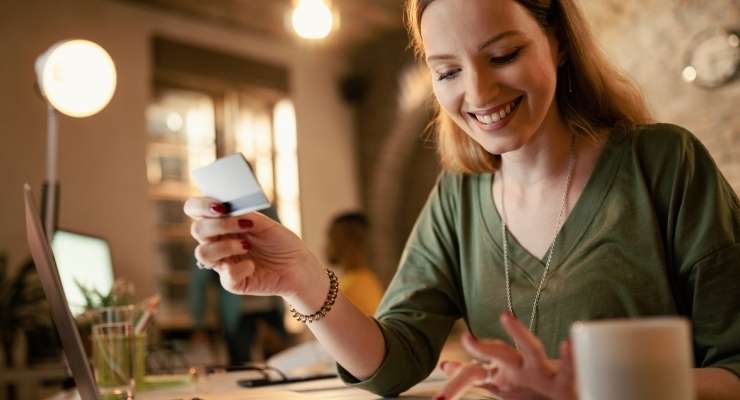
151,308
250,383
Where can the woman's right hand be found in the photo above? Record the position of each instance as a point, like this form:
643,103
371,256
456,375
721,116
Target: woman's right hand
252,253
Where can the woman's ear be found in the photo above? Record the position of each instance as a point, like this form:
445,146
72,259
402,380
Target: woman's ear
557,51
558,38
562,58
562,51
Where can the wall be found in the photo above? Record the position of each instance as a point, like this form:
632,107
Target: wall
101,158
397,164
648,39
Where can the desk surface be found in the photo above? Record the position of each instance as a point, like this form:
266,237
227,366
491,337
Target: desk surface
224,387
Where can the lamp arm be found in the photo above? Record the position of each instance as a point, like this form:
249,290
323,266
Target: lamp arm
50,194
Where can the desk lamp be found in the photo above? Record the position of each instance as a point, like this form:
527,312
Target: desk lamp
76,78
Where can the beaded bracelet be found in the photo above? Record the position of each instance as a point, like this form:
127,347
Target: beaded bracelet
330,299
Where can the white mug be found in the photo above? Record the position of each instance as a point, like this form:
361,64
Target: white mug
635,359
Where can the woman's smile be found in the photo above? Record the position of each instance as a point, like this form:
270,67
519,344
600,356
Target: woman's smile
494,118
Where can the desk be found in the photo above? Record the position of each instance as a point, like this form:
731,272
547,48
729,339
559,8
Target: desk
224,387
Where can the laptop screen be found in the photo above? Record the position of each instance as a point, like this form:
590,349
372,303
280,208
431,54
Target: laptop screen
84,260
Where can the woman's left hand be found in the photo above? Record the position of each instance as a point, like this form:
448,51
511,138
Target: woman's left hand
524,372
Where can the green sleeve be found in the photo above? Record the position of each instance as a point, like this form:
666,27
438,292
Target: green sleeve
714,286
708,227
423,301
703,235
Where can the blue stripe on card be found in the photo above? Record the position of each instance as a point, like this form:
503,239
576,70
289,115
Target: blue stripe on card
253,201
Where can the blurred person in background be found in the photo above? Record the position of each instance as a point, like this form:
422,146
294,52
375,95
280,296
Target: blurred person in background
347,249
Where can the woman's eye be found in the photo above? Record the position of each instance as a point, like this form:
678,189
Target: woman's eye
507,58
447,74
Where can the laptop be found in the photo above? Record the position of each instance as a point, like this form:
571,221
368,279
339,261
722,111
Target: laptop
43,258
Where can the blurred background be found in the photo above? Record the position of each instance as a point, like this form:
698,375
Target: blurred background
330,124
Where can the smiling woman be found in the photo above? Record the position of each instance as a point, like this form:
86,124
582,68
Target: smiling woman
520,85
556,50
603,216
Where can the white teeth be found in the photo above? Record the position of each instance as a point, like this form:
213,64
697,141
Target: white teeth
496,115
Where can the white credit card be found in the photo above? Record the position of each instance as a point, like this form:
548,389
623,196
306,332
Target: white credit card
231,180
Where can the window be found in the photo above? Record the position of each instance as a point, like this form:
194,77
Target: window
198,114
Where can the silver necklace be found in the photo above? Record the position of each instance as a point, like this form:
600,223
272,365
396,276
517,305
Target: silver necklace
558,225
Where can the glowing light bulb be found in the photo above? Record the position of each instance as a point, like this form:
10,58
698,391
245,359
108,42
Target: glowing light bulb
312,19
77,77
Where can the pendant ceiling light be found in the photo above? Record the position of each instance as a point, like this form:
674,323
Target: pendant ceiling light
312,19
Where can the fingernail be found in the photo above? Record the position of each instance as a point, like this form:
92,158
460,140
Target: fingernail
246,245
440,397
442,364
507,314
218,208
245,223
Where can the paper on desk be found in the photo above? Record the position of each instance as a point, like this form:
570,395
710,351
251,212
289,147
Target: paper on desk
335,389
232,394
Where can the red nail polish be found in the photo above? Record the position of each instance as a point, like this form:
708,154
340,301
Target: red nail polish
440,398
246,245
442,364
218,208
245,223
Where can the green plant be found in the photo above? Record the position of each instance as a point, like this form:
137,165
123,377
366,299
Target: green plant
23,305
121,293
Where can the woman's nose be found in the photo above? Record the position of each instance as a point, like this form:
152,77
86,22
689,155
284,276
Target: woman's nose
480,87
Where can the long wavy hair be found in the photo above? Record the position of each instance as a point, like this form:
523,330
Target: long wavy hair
591,94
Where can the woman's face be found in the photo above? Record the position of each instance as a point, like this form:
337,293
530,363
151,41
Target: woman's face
493,69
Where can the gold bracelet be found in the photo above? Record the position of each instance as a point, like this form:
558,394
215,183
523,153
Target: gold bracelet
328,303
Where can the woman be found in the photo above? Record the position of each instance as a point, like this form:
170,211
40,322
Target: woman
559,203
347,249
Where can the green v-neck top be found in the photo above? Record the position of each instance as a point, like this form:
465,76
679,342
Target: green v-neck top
656,231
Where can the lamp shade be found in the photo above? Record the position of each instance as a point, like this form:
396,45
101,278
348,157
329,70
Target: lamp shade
77,77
